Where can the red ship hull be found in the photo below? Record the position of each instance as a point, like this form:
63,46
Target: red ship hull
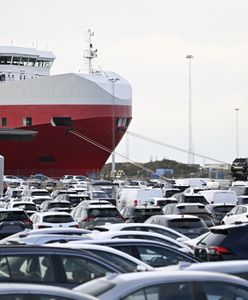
55,151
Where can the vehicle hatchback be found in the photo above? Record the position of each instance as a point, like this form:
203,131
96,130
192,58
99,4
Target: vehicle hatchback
224,242
52,220
13,221
138,214
89,216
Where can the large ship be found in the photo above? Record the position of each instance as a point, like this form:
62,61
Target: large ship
58,124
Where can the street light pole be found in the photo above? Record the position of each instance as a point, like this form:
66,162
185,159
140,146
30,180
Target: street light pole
237,132
113,81
190,146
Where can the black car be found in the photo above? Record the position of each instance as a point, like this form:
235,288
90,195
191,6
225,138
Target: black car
153,253
51,265
225,242
239,168
138,214
13,221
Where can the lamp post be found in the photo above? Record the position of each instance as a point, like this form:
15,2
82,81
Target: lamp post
190,146
237,132
113,81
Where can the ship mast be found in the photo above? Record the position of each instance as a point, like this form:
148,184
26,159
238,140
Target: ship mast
90,52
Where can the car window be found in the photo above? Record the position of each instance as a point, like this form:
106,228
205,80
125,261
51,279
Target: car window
58,219
79,269
186,223
166,291
125,264
124,248
30,296
13,216
219,290
31,268
159,257
103,212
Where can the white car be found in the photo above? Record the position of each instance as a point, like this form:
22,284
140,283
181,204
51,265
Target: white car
238,214
24,291
40,239
52,219
235,267
166,231
46,231
179,285
141,235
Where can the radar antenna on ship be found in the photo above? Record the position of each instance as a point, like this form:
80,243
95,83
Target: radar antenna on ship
90,52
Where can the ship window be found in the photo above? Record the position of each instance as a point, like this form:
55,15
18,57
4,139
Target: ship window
61,121
24,61
4,121
2,77
31,62
16,60
27,121
5,60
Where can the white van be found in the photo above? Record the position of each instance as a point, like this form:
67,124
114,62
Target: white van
220,196
130,197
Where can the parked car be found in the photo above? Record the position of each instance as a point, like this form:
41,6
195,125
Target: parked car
220,196
41,239
140,213
161,201
192,198
187,285
12,221
141,235
219,210
239,213
56,205
51,231
195,209
191,226
239,168
29,206
225,242
28,291
88,215
126,262
52,219
166,231
153,253
51,265
137,196
235,267
72,198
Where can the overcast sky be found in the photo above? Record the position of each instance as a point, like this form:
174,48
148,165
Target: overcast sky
146,41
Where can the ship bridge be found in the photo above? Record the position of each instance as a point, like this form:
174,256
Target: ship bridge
19,63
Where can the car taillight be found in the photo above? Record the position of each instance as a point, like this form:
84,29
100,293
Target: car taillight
217,250
135,202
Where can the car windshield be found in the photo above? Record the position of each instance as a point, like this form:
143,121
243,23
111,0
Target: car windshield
58,219
188,223
26,206
148,211
195,199
13,216
40,193
223,209
103,212
59,204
